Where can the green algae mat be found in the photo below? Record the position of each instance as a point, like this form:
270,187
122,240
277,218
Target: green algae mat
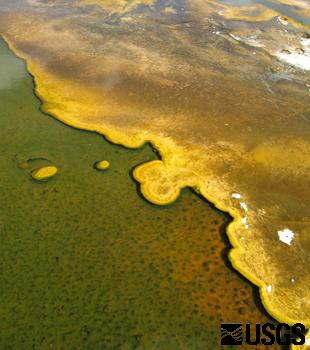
86,263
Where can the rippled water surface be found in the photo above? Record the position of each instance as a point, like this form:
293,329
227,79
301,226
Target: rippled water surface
220,89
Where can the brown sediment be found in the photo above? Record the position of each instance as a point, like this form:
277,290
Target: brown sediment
118,6
219,130
257,12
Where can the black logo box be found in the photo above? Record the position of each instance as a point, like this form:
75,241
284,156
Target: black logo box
231,334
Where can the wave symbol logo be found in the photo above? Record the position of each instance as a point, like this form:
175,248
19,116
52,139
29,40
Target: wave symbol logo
231,334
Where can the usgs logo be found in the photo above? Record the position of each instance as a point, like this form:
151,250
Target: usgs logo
266,334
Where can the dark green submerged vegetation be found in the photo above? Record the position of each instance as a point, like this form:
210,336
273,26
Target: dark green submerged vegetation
86,263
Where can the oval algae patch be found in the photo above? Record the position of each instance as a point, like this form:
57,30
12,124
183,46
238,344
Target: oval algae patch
102,165
44,173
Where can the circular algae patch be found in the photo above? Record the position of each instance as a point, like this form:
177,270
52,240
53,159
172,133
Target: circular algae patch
102,165
44,173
